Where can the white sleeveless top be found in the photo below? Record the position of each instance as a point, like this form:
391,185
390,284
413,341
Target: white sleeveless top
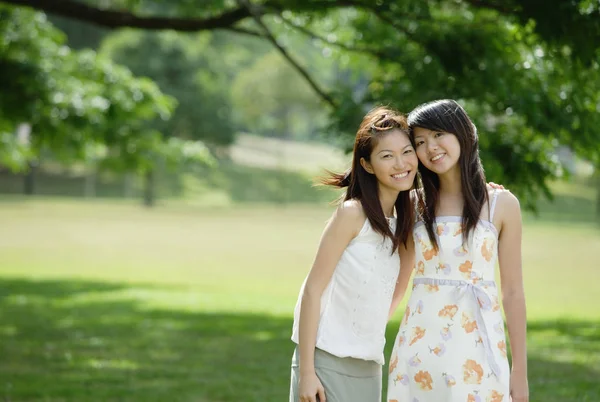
356,302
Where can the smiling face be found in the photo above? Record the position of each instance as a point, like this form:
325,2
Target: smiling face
438,151
393,161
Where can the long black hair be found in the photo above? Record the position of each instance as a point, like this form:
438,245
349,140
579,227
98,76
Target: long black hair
448,116
363,186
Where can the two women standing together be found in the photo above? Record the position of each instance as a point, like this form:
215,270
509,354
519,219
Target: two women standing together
451,343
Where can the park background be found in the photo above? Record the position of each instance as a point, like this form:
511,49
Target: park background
157,161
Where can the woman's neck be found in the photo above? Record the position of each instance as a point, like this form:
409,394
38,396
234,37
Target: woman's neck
450,183
387,200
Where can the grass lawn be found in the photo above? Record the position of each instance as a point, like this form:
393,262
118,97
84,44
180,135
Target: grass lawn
106,301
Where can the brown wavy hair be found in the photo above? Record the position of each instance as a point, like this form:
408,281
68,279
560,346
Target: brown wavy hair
363,186
448,116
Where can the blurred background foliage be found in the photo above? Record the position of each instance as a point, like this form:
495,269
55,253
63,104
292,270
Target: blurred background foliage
142,89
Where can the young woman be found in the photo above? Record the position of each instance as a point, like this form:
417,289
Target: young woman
354,283
451,344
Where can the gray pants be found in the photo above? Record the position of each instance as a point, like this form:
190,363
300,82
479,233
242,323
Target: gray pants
344,379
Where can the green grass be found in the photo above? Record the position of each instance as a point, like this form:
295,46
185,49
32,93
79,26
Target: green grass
111,302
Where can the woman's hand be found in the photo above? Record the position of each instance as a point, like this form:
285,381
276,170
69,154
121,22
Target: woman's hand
310,387
519,388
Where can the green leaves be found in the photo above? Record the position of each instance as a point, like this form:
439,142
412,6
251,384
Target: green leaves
528,71
271,98
524,87
183,67
71,99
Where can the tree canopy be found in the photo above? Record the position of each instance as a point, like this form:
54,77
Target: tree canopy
527,70
184,68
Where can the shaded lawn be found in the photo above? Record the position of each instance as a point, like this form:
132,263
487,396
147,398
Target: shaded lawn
66,340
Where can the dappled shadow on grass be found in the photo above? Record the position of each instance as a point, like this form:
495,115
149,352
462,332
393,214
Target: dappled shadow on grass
564,360
587,332
70,340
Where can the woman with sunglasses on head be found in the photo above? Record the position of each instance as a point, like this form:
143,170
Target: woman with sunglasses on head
356,282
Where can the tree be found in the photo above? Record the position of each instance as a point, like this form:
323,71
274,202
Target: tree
70,99
270,98
182,67
74,101
526,69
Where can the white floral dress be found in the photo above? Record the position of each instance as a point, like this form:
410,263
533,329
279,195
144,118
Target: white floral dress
451,345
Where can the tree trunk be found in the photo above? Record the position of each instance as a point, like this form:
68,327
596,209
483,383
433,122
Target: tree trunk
286,137
128,185
149,196
29,179
23,134
597,173
89,189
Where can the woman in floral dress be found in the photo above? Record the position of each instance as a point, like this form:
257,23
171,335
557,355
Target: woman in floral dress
451,345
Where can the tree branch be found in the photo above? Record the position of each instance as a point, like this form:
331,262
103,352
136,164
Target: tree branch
118,19
245,31
377,53
385,18
326,97
501,8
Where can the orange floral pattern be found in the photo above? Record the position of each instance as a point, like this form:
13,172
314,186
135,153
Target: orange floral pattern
450,333
495,396
441,230
428,250
502,348
472,372
432,288
448,311
473,398
393,364
418,333
406,314
486,250
420,269
423,378
468,323
401,340
495,304
465,268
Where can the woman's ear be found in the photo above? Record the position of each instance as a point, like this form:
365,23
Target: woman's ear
367,166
